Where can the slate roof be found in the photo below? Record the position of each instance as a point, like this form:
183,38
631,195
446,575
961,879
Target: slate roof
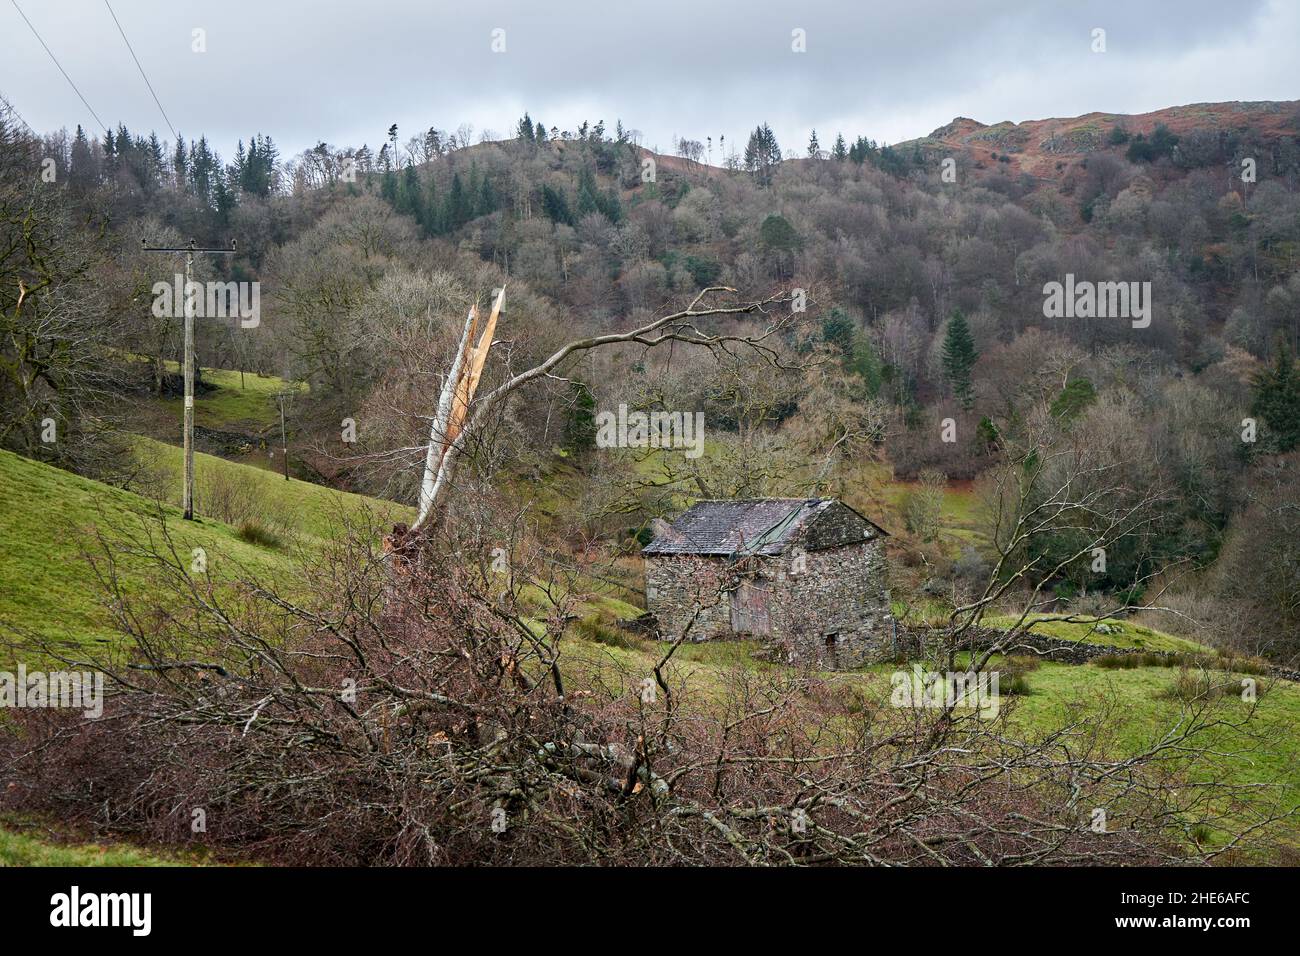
754,526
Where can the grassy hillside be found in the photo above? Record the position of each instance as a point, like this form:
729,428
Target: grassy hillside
48,519
230,491
1113,633
228,400
237,402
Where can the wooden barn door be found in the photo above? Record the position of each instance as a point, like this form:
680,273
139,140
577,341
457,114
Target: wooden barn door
749,608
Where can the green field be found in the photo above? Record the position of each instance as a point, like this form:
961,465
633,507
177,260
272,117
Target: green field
235,402
48,519
1261,758
294,508
1111,632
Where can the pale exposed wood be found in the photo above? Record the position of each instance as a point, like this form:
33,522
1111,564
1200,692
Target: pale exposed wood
471,373
438,443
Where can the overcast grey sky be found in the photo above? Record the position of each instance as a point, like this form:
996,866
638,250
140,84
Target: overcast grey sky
344,71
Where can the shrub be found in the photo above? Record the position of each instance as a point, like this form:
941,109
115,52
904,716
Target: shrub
1014,685
971,567
924,505
1199,685
1113,662
1012,675
254,532
1244,664
229,495
600,629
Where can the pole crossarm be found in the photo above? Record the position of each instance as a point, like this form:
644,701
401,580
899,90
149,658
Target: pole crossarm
226,250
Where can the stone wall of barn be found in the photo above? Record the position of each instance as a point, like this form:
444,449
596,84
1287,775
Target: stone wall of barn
830,608
826,608
677,584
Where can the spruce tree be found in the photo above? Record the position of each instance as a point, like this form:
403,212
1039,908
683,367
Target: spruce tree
459,207
487,198
82,174
410,198
180,164
1277,399
762,154
526,132
555,206
588,197
959,357
431,220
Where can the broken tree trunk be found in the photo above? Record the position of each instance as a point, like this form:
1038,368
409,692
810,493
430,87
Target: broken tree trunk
453,409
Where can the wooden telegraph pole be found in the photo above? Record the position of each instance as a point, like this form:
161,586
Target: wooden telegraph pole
283,397
187,480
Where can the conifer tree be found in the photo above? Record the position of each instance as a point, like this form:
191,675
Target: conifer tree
959,357
526,132
459,207
410,198
82,174
432,218
1277,399
588,196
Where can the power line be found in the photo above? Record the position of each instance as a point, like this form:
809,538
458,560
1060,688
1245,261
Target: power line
175,135
59,65
5,104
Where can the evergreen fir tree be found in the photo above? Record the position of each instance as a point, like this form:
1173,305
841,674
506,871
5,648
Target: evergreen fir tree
110,155
1277,399
588,196
762,154
82,174
525,131
838,329
155,161
180,165
959,357
431,220
487,198
410,197
555,207
612,206
458,208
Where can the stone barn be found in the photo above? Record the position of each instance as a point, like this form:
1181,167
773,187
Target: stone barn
806,575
